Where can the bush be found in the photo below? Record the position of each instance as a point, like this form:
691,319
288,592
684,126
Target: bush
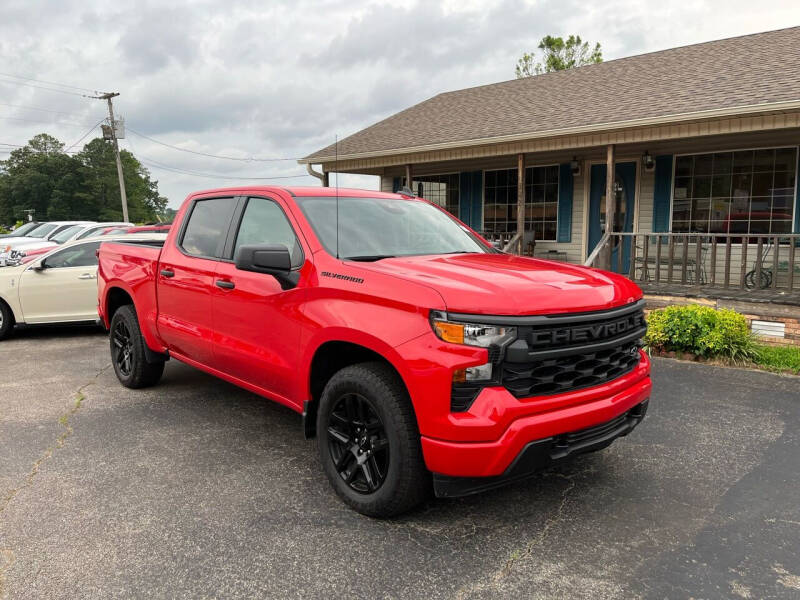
701,330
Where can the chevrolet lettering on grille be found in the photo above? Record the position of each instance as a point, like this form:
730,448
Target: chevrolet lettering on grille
591,332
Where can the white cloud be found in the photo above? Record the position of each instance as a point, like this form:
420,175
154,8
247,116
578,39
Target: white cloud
282,78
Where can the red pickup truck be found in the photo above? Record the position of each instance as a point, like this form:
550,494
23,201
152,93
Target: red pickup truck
420,357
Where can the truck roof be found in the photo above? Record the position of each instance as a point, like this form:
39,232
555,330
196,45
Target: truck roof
302,191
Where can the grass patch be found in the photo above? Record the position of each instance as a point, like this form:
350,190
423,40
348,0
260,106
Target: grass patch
781,359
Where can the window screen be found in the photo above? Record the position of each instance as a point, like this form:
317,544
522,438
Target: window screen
541,201
263,222
207,227
746,191
439,189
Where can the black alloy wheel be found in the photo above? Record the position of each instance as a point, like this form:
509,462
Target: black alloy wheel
123,348
128,353
358,443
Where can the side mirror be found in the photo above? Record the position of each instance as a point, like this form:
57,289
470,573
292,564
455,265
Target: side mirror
271,258
41,266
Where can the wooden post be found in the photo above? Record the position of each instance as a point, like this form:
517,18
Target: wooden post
610,203
521,201
408,177
326,179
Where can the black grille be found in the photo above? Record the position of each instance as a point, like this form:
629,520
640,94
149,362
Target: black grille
568,373
561,353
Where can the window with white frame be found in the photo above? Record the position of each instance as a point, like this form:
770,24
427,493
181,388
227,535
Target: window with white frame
541,201
744,191
439,189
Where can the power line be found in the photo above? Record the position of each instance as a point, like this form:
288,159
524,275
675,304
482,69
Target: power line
157,165
49,110
84,135
248,159
41,87
22,119
49,82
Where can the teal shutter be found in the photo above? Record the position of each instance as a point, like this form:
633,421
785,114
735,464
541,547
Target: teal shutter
797,201
470,199
564,202
397,183
662,192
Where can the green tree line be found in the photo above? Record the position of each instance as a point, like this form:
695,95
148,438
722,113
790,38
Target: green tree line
58,186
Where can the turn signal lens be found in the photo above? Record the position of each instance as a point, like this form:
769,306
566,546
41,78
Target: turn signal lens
449,332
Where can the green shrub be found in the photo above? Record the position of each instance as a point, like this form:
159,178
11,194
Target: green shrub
701,330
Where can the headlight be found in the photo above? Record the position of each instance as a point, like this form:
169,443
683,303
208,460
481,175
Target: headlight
472,334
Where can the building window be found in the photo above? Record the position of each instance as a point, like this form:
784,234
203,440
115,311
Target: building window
745,191
541,201
439,189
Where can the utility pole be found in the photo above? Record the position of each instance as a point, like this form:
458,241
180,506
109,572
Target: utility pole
108,98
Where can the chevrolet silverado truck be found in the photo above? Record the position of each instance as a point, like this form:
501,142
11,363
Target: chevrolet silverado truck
419,356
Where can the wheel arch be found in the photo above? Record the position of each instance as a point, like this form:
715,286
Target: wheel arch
331,356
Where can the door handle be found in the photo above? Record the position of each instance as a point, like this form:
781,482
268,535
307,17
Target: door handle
87,276
167,273
225,285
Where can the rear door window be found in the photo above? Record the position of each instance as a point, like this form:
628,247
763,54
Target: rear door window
81,255
207,227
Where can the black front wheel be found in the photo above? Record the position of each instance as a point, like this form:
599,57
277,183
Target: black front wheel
369,443
127,351
6,320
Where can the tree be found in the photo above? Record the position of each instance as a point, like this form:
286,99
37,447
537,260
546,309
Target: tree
559,55
42,177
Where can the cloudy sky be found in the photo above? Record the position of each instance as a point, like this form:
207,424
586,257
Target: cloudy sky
279,79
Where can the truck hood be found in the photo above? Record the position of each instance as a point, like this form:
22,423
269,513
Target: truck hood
504,284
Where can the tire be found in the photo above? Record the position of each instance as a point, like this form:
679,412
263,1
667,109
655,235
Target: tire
6,320
127,351
373,461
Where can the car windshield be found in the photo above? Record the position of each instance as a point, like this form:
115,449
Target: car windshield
375,228
25,229
66,235
43,230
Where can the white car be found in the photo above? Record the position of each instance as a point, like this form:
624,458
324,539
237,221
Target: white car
59,287
45,231
12,254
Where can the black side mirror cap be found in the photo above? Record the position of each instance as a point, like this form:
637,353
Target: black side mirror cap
271,259
267,258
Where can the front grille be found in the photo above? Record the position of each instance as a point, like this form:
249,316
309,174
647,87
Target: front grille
561,353
568,373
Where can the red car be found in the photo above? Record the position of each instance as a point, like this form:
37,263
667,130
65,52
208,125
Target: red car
419,356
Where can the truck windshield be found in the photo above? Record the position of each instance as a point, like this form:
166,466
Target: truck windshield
376,228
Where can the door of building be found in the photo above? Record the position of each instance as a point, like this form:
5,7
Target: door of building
624,199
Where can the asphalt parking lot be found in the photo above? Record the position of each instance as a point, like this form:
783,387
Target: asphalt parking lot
198,489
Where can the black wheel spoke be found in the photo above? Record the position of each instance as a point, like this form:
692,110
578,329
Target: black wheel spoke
357,443
338,435
366,469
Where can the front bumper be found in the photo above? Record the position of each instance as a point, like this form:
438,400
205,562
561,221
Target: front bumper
540,454
507,424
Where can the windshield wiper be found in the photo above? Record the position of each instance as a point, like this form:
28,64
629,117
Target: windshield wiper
369,257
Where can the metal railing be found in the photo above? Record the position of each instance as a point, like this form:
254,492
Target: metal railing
754,261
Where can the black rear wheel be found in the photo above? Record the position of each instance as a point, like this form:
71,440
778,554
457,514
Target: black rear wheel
369,443
127,351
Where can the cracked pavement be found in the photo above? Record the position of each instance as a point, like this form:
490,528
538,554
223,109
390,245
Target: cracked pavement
195,488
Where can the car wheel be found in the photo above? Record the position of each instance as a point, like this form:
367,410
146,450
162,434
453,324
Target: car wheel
6,320
369,442
127,351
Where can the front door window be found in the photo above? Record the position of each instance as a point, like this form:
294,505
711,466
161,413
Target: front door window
620,209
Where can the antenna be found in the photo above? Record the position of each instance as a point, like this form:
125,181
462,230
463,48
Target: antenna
336,170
